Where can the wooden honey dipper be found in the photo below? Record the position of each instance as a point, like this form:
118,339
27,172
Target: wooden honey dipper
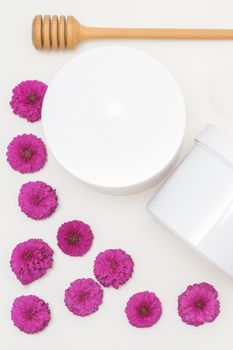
61,33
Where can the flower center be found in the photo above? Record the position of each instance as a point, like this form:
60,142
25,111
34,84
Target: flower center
73,238
28,255
36,199
32,98
27,154
113,264
29,314
84,296
144,310
199,304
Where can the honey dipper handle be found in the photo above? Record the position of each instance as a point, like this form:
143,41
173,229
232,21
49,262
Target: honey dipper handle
149,33
53,32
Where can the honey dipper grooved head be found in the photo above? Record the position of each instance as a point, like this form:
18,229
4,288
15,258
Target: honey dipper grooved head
55,33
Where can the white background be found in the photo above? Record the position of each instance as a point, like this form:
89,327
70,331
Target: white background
164,264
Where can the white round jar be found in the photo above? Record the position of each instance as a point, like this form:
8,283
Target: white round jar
114,117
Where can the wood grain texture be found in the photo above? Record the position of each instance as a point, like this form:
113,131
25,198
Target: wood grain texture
54,32
46,32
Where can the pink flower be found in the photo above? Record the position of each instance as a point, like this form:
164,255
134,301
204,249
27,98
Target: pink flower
37,200
113,267
198,304
143,309
27,99
74,238
30,314
30,260
83,297
26,153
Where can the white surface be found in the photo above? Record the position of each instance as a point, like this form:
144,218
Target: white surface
163,263
121,118
196,201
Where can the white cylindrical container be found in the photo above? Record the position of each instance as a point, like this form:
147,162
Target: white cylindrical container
196,202
114,117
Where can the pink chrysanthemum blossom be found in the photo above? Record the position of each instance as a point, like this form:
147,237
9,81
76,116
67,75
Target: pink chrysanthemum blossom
143,309
26,153
74,238
113,267
27,99
30,260
30,314
198,304
37,200
83,297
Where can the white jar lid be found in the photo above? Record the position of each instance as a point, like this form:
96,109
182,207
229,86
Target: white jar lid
115,118
217,141
196,201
